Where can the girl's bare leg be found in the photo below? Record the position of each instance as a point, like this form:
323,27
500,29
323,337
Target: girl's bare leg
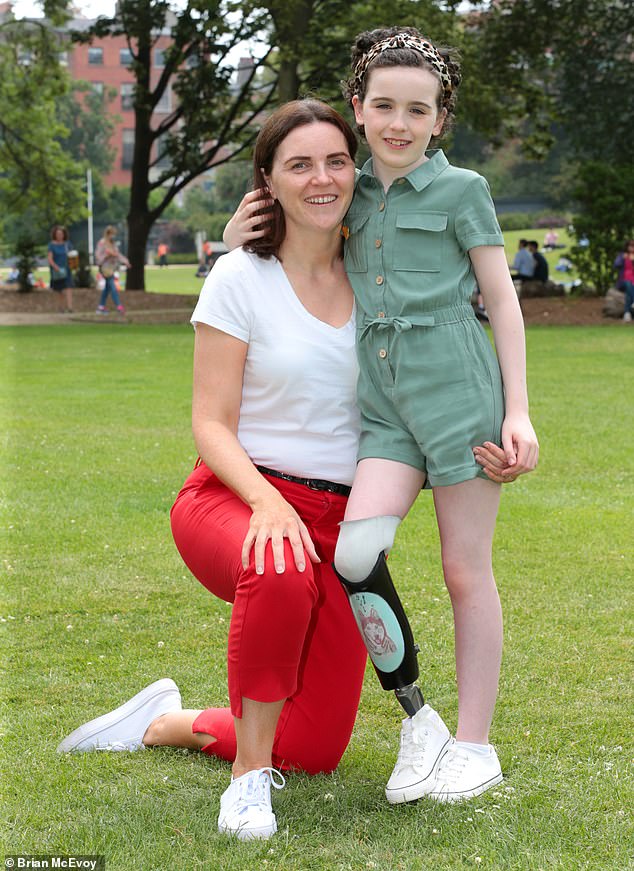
466,516
175,730
383,487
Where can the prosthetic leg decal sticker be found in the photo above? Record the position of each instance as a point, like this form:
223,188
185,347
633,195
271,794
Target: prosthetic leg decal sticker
380,629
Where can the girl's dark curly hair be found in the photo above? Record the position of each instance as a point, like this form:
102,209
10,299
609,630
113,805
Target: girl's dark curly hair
402,57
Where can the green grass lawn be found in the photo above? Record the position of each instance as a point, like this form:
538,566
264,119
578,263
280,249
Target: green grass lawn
97,603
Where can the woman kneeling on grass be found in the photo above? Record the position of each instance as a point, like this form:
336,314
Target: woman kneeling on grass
276,426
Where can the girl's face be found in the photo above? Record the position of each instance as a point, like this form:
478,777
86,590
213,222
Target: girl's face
59,236
400,115
313,177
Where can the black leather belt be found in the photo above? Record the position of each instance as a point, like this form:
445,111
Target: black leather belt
311,483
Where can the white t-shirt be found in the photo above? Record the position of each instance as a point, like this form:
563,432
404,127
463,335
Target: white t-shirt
298,413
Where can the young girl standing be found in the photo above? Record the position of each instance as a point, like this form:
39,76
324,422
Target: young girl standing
420,235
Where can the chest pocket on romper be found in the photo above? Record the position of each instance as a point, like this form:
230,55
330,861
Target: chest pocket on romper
418,241
355,254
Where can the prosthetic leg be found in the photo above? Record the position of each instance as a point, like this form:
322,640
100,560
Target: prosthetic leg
377,608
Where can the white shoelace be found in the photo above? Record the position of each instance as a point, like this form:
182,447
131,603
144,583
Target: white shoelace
452,765
119,745
413,744
253,788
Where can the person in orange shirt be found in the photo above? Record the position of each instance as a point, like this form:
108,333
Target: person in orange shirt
161,251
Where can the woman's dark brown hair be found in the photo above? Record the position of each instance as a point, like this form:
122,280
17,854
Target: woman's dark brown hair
57,227
277,126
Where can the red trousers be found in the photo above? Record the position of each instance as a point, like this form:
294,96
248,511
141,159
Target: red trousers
292,636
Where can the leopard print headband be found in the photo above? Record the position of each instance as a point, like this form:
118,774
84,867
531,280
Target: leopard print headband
406,40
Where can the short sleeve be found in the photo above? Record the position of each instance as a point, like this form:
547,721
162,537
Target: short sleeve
476,223
224,301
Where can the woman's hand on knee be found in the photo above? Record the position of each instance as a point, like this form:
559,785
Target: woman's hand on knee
274,522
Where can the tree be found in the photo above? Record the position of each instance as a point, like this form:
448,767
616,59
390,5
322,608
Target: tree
39,182
89,125
570,60
604,218
213,120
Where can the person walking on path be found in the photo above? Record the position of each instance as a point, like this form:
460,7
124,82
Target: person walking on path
108,258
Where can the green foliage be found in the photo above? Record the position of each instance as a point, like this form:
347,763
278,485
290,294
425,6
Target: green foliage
89,125
534,220
210,121
568,61
40,183
604,216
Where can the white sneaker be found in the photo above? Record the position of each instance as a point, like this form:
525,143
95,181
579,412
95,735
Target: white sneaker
245,806
124,728
464,774
627,317
423,740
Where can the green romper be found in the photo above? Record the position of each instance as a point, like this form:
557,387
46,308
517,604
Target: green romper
430,387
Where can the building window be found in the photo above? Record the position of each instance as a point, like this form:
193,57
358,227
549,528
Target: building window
63,58
97,88
159,58
163,161
127,96
127,153
125,57
164,105
95,56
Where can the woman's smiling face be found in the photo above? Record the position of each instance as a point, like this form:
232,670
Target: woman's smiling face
312,177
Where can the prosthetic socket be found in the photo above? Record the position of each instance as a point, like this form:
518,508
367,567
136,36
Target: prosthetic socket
387,633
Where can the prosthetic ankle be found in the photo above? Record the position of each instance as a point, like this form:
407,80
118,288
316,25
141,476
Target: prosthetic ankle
361,567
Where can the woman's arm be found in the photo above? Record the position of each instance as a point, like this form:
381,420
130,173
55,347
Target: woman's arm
248,222
51,261
500,299
219,361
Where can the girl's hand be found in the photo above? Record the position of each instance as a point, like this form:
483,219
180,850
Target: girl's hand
277,520
520,444
249,222
493,461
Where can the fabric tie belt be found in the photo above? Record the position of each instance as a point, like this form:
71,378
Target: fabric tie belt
311,483
450,315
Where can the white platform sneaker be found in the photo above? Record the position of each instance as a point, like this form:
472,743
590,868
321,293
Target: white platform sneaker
124,728
464,773
424,738
245,806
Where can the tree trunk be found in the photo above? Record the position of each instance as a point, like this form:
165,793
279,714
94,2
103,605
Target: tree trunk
139,225
288,82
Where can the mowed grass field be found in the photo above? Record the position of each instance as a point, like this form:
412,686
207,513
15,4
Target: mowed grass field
96,603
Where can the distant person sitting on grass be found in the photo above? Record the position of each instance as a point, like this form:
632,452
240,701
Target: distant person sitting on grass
523,265
624,263
541,264
551,240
